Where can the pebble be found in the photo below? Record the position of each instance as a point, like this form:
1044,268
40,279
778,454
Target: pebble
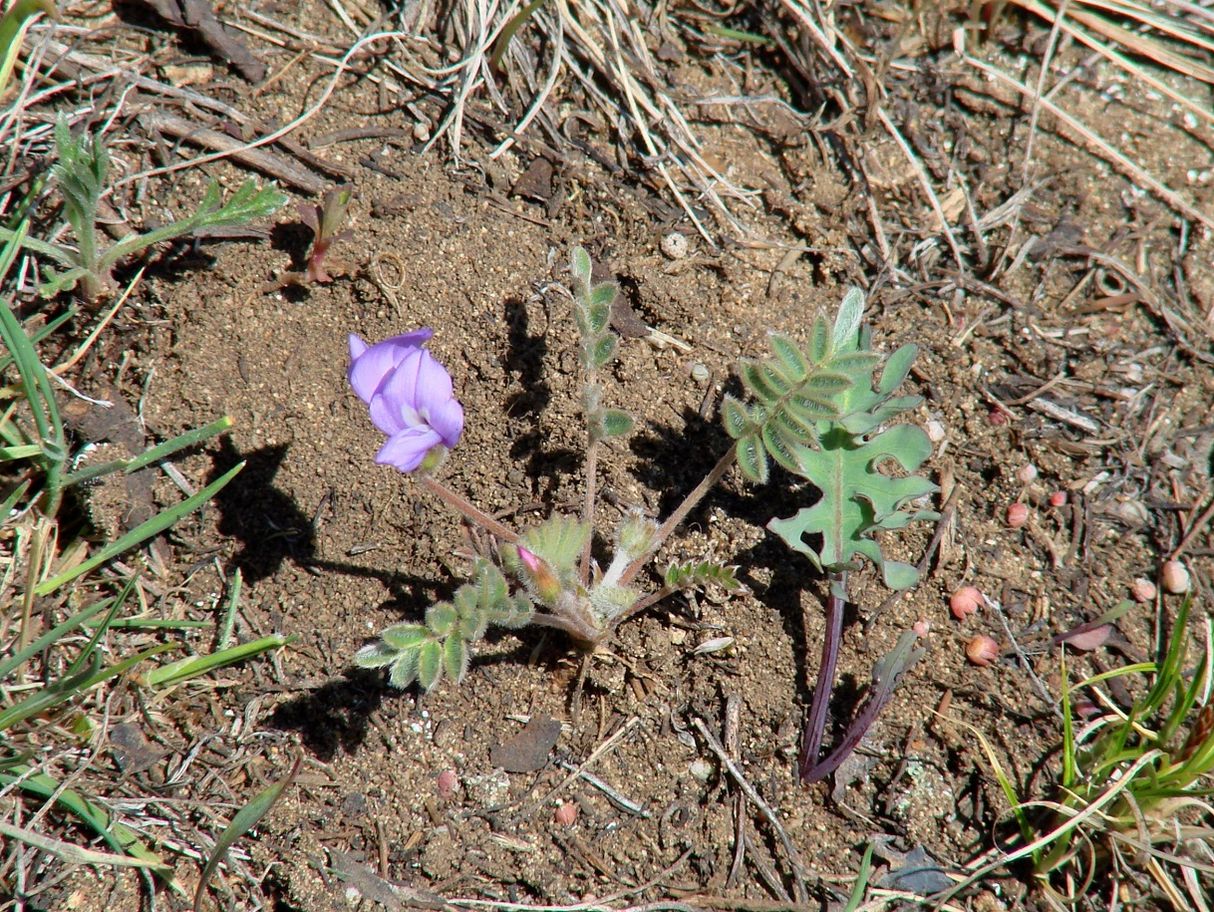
675,245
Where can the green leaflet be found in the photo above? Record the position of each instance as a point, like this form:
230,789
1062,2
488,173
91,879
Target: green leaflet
819,414
441,647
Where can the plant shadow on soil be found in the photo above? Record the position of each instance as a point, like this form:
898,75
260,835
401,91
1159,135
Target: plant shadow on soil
791,575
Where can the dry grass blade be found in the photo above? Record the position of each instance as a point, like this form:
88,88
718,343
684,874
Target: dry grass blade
1099,145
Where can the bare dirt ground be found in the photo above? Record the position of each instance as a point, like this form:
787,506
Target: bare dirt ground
1078,340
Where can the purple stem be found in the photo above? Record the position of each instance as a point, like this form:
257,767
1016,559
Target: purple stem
885,678
462,505
815,725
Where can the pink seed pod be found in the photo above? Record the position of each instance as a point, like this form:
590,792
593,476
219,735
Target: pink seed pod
965,601
1017,515
446,783
565,814
1027,473
1058,499
982,650
922,627
1174,576
1143,590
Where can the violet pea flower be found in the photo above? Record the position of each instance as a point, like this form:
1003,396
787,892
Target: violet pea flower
410,398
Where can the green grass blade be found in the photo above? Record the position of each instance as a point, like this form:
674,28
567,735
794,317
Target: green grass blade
38,393
51,636
117,836
140,533
223,636
70,852
196,666
246,818
154,454
42,333
857,892
6,506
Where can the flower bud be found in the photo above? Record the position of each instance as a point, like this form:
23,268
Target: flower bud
982,650
965,601
544,584
1175,577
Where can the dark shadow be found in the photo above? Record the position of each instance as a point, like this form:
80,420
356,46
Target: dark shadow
525,353
335,716
267,522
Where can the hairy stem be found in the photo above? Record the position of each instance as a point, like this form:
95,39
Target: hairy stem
815,724
580,629
690,502
592,469
463,506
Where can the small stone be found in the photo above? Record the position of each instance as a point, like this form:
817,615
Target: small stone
446,783
675,245
1175,577
1143,590
935,430
565,814
1017,515
982,650
1027,473
699,372
701,769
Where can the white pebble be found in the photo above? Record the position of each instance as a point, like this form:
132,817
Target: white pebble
675,245
699,372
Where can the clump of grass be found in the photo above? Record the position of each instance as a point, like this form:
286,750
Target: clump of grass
1133,787
66,625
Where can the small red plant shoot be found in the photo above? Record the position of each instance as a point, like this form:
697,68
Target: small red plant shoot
965,601
325,221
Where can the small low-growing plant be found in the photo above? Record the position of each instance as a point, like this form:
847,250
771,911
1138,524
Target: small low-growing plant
816,411
540,575
81,172
1132,788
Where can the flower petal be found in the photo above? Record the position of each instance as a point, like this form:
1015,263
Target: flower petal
369,366
386,414
433,389
406,450
448,421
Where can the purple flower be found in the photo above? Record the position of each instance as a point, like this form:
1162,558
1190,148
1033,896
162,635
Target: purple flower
409,395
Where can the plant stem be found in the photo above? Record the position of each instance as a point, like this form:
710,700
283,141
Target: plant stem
815,724
676,518
463,506
592,469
